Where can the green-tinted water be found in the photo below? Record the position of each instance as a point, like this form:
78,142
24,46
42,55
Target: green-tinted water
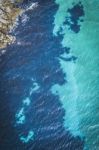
80,96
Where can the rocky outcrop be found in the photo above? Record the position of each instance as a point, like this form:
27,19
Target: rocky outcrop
8,14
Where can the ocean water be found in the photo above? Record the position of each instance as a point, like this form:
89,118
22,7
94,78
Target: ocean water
49,78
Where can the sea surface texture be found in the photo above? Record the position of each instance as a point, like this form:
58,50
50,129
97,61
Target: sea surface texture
49,78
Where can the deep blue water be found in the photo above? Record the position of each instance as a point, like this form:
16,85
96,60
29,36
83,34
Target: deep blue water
36,60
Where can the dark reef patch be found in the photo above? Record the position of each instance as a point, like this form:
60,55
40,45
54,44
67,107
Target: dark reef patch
76,14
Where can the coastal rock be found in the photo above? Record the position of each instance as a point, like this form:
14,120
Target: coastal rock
8,15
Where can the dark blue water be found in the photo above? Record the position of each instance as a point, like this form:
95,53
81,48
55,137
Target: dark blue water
36,60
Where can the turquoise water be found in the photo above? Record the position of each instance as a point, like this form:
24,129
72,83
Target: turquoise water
21,113
80,97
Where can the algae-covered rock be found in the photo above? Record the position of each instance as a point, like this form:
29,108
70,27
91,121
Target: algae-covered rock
8,14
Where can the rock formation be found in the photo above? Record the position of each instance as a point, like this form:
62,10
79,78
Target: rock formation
8,14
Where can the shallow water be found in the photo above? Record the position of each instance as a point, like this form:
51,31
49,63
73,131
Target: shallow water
84,77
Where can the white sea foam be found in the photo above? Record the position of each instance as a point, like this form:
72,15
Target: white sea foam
32,6
24,18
